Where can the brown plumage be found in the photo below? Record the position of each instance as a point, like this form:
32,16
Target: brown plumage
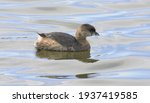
59,41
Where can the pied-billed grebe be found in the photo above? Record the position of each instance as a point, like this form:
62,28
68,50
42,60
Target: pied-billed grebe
59,41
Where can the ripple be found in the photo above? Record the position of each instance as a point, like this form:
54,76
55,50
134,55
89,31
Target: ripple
129,74
120,50
17,54
116,1
130,32
120,74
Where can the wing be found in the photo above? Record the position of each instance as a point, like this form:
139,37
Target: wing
62,38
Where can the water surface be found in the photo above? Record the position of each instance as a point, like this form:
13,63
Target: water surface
119,56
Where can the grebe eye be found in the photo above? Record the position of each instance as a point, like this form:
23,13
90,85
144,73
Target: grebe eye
92,30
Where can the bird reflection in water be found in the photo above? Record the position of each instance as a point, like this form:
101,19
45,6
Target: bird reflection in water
83,56
78,76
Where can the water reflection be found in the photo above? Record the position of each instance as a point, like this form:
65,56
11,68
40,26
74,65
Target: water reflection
78,76
83,56
85,75
57,76
141,73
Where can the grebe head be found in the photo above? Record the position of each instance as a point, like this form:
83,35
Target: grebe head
85,30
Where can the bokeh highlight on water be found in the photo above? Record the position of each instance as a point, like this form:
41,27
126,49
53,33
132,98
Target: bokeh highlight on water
119,56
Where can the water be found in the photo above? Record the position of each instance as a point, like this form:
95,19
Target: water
119,56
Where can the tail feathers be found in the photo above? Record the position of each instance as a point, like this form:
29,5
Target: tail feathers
42,34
